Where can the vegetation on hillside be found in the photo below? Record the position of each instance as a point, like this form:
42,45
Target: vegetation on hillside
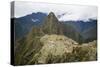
53,42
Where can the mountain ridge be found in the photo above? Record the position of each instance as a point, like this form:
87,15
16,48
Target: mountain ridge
23,27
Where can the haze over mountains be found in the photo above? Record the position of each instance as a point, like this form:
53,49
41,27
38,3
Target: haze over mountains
24,24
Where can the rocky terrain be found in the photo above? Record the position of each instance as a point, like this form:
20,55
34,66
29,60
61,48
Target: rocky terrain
53,42
57,49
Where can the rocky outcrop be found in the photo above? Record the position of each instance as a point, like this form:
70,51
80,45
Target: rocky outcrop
51,25
59,48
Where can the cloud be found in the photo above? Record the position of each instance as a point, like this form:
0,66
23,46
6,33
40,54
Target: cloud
81,13
68,12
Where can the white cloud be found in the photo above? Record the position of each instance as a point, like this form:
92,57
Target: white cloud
81,13
72,12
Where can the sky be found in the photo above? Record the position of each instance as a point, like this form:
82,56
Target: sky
62,11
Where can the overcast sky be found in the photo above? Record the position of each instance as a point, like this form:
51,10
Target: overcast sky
69,12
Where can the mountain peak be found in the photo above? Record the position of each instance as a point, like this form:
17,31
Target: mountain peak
51,24
51,14
51,18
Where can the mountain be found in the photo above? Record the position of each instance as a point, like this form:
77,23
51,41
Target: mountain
81,25
87,29
51,25
75,30
90,34
53,41
24,24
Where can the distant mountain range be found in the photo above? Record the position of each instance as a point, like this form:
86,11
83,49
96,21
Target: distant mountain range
24,24
87,29
80,31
